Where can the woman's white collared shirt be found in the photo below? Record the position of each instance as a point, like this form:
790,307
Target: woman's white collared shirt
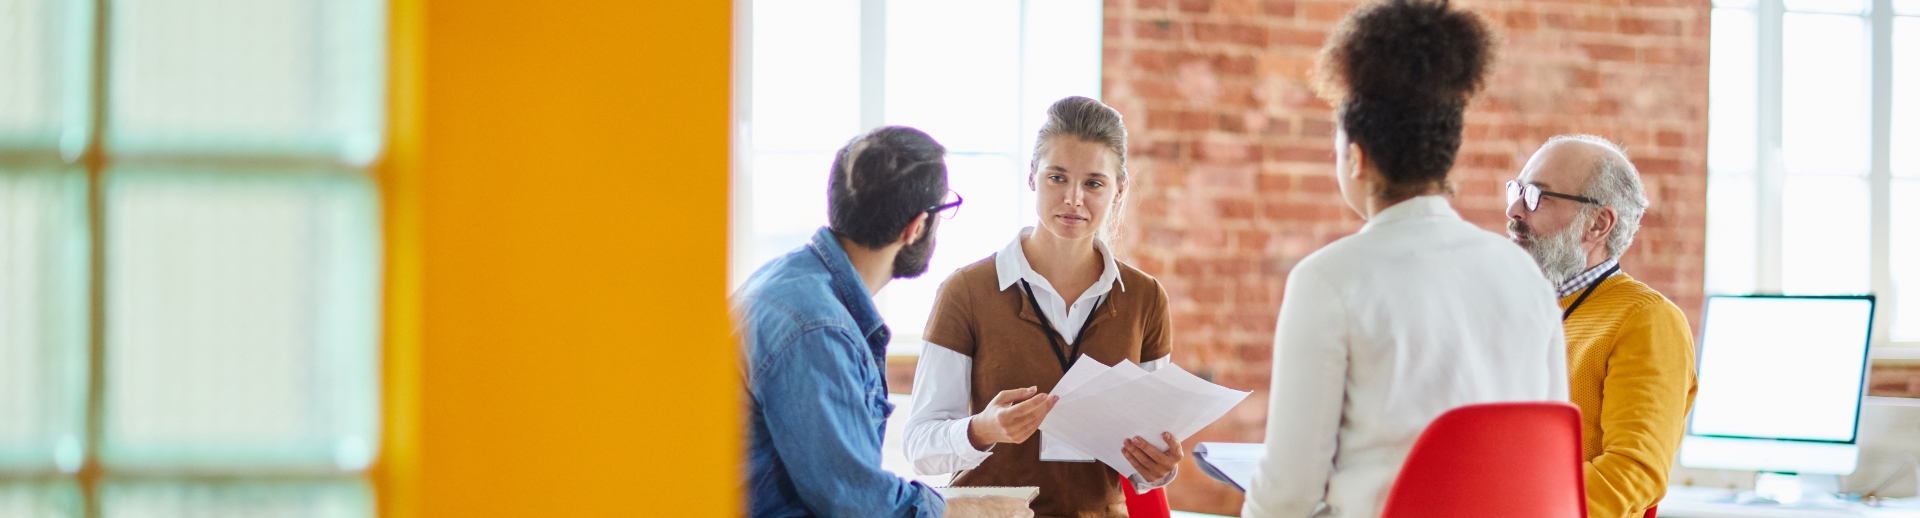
1382,331
936,432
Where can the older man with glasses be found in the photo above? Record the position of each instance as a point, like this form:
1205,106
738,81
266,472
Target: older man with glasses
1575,208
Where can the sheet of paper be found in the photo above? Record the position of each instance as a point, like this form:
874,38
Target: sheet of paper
1098,416
1054,450
1230,462
1084,368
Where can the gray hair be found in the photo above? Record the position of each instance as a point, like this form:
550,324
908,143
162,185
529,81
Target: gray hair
1615,184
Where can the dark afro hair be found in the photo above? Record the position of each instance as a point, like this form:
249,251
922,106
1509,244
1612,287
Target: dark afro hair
881,181
1401,72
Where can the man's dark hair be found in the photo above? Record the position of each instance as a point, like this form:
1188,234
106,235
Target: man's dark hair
1401,72
881,181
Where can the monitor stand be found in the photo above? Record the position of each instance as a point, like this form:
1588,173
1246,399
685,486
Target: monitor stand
1791,489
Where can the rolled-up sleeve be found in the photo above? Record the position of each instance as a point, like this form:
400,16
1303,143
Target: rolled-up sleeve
1309,386
826,433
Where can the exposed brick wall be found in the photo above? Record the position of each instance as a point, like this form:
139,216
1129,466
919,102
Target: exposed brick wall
1232,155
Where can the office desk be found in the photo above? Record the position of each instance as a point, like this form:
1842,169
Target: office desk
1699,502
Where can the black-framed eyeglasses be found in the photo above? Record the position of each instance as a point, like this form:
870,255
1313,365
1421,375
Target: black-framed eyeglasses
949,209
1517,191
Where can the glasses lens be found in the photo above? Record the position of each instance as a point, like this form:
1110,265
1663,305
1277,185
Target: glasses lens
1513,192
1532,194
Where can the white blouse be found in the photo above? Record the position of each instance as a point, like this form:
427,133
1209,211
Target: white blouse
1381,332
936,432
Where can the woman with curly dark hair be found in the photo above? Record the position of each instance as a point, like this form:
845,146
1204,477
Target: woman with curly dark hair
1420,311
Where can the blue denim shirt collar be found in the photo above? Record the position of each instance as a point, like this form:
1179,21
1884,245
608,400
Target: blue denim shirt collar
851,290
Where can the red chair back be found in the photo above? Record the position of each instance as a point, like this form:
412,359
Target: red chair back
1151,504
1495,459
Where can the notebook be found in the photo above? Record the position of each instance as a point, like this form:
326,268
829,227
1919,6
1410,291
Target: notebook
1023,492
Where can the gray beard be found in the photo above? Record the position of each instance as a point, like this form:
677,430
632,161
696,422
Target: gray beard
1559,255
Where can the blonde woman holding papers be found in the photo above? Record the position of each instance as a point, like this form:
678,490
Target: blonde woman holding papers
1419,312
1005,329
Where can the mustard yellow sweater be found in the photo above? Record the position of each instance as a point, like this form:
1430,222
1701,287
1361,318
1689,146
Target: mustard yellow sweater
1630,364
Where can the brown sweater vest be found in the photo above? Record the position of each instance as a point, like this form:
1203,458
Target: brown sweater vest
1001,331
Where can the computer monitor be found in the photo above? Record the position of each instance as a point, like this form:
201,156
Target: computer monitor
1780,384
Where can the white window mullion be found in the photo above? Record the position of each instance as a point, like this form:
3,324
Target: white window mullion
1880,177
1770,170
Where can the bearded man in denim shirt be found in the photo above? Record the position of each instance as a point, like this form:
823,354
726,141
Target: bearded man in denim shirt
814,346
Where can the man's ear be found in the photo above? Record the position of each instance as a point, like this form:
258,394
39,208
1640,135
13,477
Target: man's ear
1602,225
914,231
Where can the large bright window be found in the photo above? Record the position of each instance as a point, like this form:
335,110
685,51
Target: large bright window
189,256
977,76
1813,171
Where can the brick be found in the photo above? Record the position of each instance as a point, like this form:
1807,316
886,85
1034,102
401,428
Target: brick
1324,11
1196,6
1608,52
1304,38
1278,8
1647,26
1156,30
1300,154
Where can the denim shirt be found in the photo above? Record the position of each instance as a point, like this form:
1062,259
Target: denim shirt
814,349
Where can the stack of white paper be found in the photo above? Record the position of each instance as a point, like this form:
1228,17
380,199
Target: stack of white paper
1101,407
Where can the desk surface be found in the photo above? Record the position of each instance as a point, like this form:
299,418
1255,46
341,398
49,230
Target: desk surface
1698,502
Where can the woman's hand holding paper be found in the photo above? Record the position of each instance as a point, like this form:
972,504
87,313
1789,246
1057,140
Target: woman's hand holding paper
1012,416
1152,463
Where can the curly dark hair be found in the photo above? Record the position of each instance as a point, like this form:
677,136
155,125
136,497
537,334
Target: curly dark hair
1401,72
881,181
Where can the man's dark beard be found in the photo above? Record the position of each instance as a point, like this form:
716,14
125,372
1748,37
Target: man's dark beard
912,259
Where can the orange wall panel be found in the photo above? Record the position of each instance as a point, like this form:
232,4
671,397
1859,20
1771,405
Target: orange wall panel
568,212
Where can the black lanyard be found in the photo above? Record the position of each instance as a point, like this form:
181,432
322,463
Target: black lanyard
1584,294
1066,360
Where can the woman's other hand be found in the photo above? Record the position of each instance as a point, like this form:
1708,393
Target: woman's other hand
1012,416
1152,463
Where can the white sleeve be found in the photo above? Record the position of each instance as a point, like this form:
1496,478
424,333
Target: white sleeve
1304,405
1557,360
936,440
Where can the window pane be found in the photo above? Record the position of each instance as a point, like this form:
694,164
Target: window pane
1908,8
1730,233
344,499
241,319
43,56
43,319
1825,95
1061,58
1731,93
1904,303
953,70
1827,6
1825,240
39,500
806,75
789,201
1906,98
986,223
262,76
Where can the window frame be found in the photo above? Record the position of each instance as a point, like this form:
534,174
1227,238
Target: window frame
1770,174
